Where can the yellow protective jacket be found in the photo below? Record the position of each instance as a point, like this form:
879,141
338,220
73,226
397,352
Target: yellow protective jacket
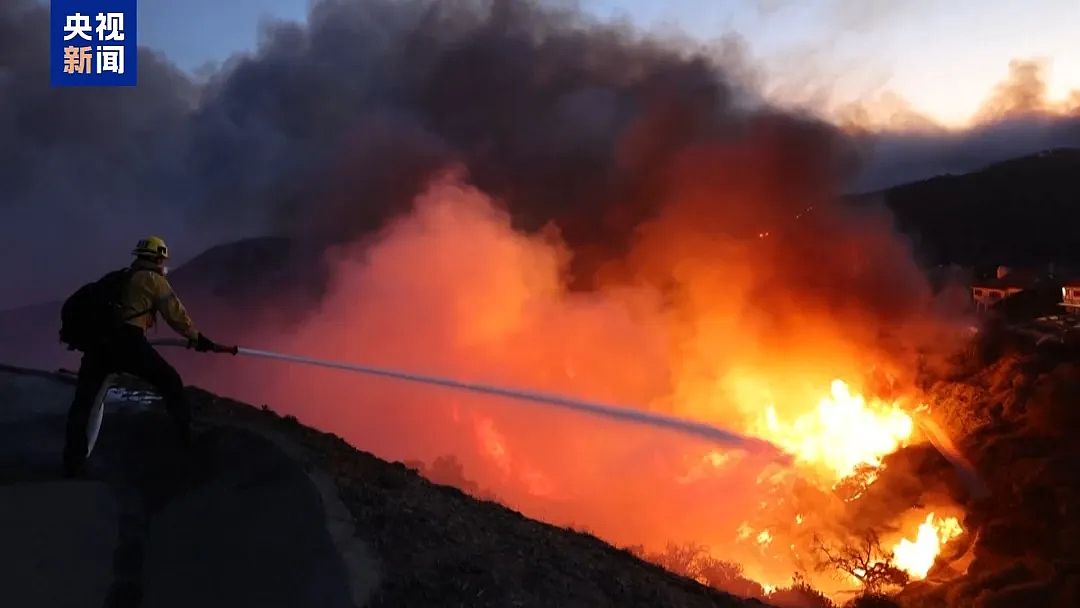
149,293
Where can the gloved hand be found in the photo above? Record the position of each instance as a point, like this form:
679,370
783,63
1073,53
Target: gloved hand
203,344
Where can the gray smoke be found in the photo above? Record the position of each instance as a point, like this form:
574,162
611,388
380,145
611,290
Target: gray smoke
900,158
80,168
329,128
1017,117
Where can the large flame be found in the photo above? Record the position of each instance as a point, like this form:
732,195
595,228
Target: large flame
916,557
844,433
841,433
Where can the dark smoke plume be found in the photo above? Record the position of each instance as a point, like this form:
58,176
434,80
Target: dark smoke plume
331,127
81,168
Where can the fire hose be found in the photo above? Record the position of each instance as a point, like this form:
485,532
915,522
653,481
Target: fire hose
681,425
938,438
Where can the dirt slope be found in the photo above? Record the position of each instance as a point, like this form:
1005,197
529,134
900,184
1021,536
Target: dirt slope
440,547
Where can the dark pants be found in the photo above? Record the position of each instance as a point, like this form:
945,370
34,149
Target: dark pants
128,352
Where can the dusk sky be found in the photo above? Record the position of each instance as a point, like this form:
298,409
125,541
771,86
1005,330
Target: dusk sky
942,56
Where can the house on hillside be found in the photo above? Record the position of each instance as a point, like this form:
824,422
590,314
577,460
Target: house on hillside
1070,295
1006,282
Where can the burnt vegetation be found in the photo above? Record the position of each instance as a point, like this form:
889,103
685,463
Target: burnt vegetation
862,557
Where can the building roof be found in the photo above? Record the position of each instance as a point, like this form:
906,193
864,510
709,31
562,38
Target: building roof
1003,283
1017,278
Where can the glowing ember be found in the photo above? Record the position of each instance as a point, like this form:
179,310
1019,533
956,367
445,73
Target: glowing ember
917,557
843,432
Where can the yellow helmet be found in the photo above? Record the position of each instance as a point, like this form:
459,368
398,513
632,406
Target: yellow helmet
151,247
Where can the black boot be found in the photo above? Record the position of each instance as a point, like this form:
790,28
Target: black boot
74,468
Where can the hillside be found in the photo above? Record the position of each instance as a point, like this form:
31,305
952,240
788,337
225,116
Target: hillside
444,548
253,269
413,543
1010,407
1022,211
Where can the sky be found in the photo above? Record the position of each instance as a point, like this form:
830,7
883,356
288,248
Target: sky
942,56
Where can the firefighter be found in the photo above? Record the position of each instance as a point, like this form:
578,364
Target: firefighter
143,294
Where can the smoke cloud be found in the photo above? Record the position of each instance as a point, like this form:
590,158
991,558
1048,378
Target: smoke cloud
329,127
1017,117
504,193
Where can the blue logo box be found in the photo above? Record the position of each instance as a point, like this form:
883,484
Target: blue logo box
93,43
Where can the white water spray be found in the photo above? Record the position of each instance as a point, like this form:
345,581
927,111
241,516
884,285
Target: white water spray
945,446
680,425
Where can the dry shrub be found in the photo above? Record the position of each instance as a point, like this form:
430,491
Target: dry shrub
446,470
960,408
694,561
860,555
799,595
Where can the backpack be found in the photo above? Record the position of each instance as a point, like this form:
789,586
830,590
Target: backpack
91,315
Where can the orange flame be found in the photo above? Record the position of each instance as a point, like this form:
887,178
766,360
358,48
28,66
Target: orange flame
841,433
916,557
